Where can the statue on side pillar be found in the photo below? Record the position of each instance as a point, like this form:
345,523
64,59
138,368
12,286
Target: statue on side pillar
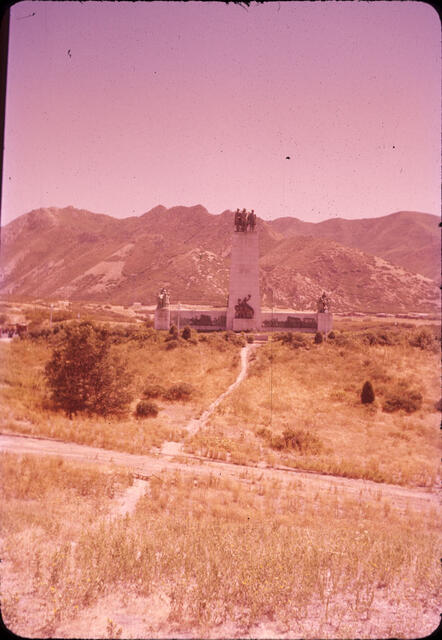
163,299
323,303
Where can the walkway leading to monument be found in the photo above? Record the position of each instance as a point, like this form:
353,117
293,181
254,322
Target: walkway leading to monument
174,448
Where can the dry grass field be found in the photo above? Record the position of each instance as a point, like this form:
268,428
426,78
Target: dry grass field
316,390
209,557
209,366
299,405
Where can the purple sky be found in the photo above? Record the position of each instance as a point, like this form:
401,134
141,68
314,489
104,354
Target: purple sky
118,107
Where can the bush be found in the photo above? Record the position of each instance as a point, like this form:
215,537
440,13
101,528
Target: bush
331,335
172,344
424,339
318,337
295,340
299,440
302,441
179,391
408,400
235,338
173,331
83,374
367,393
250,339
186,333
146,409
154,391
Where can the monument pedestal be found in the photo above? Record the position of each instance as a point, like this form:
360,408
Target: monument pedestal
244,280
162,319
244,324
325,321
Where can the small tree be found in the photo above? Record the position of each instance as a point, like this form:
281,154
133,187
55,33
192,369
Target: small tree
318,337
173,331
83,374
367,393
186,333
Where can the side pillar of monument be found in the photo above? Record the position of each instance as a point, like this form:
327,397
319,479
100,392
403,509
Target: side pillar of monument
325,321
244,281
162,318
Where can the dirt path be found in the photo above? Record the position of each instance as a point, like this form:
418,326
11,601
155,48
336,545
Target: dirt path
175,448
144,466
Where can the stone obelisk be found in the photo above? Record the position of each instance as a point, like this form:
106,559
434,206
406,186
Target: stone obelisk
244,306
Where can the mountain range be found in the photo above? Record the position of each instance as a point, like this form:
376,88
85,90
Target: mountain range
390,263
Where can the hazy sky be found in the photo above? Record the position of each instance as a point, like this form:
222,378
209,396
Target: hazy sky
118,107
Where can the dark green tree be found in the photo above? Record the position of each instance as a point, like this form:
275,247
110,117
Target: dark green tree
367,393
84,375
173,331
186,333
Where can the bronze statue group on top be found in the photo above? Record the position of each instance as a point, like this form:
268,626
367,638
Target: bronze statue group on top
245,220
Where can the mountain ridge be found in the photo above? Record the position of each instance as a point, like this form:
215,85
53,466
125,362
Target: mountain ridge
74,253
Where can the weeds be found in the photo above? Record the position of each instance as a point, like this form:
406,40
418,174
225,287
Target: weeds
218,551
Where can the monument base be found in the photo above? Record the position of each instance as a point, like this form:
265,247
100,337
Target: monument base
162,319
325,321
244,324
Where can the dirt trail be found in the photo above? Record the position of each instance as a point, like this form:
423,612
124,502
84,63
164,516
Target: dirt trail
175,448
144,466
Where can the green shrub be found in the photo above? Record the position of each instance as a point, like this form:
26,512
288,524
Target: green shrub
173,331
154,391
235,338
409,400
367,393
298,440
318,337
331,335
425,339
295,340
145,409
302,441
84,375
179,391
186,333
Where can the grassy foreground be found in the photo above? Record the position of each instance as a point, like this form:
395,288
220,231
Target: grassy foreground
210,557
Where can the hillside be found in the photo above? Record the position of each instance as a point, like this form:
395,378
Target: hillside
407,239
70,253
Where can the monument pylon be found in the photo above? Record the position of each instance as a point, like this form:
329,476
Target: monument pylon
244,306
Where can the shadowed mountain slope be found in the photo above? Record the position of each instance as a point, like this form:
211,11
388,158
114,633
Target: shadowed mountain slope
407,239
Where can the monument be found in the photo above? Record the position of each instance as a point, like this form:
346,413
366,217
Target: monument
244,305
243,312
